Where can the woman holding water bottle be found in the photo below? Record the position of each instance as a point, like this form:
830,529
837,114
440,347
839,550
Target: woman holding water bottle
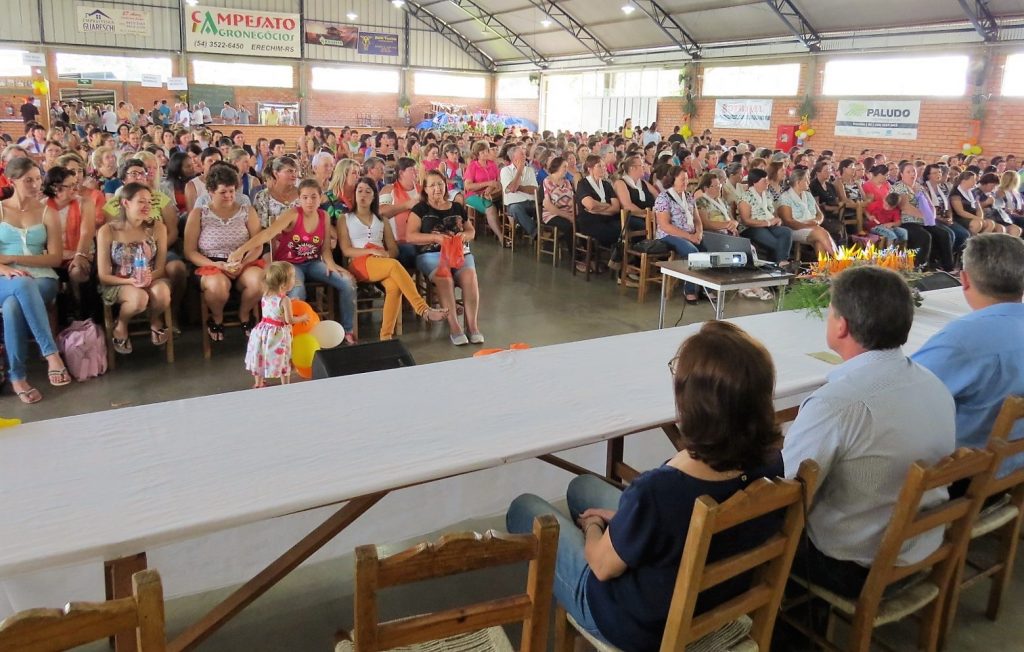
131,258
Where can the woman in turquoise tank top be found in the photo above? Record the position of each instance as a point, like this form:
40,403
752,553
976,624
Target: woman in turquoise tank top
30,247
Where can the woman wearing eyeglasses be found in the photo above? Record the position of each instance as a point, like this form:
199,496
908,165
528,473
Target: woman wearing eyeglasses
60,187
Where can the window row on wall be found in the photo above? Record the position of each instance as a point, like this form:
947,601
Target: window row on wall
946,75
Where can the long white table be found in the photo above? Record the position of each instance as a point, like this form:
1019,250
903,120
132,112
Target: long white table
212,488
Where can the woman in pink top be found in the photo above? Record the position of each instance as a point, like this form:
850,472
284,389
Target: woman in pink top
303,239
481,184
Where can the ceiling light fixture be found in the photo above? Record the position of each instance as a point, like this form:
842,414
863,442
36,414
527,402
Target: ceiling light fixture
191,3
628,9
351,15
546,22
398,3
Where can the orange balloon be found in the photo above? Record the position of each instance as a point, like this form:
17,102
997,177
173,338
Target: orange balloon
305,372
518,346
303,308
482,352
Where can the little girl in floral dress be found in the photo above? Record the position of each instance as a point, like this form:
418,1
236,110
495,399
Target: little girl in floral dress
270,343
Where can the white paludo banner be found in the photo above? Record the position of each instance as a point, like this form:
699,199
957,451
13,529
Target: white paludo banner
878,119
743,114
238,31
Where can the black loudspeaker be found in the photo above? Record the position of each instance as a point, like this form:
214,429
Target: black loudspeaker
361,358
936,281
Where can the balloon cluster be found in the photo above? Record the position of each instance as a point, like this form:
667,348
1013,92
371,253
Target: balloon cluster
969,148
311,336
40,87
686,132
804,131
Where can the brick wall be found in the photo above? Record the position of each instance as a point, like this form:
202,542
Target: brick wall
943,126
526,109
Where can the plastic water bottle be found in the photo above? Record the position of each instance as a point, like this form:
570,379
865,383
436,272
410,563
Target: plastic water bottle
139,265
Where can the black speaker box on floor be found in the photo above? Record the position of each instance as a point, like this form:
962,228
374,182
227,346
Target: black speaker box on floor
936,281
361,358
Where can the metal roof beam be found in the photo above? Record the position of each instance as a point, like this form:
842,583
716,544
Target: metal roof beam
491,22
797,23
444,29
574,28
984,22
670,26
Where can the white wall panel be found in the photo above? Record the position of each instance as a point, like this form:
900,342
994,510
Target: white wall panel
371,16
283,6
19,22
60,25
428,49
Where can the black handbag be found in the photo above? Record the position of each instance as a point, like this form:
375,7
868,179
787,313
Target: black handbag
651,246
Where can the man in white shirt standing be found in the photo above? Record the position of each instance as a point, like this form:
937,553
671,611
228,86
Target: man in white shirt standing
878,413
109,120
183,116
197,116
519,188
228,115
207,117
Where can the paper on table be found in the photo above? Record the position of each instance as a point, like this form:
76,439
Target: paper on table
826,356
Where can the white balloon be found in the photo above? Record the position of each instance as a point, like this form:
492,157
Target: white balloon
328,333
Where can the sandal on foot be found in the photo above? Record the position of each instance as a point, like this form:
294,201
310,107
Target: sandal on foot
59,377
247,326
124,347
26,395
214,330
158,336
435,314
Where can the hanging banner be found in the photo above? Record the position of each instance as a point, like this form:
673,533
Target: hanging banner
105,20
878,119
177,83
151,81
378,43
332,34
743,114
237,31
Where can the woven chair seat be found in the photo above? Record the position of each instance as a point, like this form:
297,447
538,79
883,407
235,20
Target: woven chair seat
994,517
903,602
492,639
729,638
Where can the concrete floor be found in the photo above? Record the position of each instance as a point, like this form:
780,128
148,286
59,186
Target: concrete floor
522,302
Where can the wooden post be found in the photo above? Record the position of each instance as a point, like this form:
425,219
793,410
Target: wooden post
117,574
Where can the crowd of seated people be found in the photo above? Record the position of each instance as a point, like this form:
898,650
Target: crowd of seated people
213,193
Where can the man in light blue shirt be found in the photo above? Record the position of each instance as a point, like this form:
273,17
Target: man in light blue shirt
878,413
980,357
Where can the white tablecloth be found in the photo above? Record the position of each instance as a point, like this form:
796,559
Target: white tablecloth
210,487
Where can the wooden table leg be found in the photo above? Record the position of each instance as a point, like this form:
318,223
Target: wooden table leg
273,573
117,575
616,449
672,432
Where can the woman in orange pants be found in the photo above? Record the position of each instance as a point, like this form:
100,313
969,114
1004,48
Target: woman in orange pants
369,244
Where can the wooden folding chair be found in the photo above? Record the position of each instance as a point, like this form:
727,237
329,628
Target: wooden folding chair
1001,519
639,262
585,248
79,623
509,227
930,580
138,326
545,232
855,218
322,299
476,627
231,318
744,623
372,304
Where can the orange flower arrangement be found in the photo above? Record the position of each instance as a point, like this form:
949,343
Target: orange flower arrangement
811,292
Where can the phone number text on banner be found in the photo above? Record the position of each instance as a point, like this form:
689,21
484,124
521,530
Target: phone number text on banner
743,114
237,31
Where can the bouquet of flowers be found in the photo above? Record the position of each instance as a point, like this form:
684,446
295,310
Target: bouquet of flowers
811,291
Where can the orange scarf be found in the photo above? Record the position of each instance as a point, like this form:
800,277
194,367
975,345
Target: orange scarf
401,195
73,226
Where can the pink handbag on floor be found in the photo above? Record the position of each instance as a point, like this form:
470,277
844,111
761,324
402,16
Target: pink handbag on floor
84,349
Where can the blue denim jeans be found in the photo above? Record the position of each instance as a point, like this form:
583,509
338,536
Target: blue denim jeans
893,234
571,569
24,302
524,212
683,249
776,239
316,270
960,235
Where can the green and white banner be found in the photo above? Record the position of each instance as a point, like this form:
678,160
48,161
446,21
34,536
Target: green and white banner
242,32
878,119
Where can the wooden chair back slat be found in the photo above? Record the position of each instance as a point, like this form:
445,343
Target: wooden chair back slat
79,623
1002,447
450,622
763,597
908,520
452,554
